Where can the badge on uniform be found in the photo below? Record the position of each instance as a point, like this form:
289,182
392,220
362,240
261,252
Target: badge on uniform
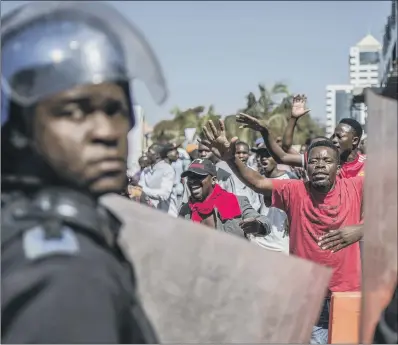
36,245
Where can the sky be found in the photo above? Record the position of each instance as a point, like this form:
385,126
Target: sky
216,52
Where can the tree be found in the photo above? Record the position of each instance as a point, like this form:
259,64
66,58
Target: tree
272,105
266,106
189,118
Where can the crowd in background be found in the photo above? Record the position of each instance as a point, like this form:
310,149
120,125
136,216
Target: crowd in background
67,111
305,202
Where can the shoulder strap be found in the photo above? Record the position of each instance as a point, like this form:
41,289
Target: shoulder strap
66,207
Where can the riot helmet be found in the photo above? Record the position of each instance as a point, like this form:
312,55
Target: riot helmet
49,47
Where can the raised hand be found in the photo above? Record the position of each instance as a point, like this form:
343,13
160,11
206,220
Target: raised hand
251,122
215,151
299,106
218,140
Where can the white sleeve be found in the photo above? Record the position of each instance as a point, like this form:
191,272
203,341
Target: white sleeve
166,187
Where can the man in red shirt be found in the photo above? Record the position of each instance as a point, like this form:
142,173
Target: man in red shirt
324,213
347,138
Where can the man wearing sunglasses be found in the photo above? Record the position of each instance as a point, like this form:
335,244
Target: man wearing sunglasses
216,208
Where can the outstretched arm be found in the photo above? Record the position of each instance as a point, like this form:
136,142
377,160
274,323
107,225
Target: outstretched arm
287,140
249,177
274,149
277,153
298,110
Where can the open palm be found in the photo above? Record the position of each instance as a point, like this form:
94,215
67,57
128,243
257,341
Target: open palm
251,122
218,139
299,108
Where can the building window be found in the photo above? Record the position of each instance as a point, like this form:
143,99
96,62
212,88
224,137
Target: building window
369,58
343,105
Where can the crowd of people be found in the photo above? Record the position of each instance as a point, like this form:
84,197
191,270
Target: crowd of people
307,203
67,109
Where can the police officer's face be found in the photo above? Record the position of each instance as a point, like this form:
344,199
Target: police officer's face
82,135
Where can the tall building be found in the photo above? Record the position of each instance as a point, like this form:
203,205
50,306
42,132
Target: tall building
364,62
363,72
338,105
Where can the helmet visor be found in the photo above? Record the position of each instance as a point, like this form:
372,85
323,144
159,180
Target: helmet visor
49,47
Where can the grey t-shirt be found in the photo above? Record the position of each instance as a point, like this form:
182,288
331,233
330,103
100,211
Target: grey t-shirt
278,239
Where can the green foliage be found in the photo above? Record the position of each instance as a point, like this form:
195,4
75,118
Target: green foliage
190,118
272,105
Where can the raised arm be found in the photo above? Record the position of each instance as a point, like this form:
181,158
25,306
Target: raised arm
249,177
298,110
287,139
274,149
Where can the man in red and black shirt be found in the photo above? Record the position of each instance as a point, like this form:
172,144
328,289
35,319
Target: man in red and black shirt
216,208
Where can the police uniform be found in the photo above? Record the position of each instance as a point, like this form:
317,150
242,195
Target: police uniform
64,277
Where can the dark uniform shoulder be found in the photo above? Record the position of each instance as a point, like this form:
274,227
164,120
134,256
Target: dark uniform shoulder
81,287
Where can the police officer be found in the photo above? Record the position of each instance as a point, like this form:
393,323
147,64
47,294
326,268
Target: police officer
66,79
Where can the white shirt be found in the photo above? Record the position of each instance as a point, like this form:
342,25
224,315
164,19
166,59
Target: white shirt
157,183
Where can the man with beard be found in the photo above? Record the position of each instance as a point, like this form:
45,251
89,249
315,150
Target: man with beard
324,213
66,112
224,178
157,180
347,138
216,208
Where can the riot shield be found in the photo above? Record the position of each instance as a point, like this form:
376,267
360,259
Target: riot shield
201,285
380,236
